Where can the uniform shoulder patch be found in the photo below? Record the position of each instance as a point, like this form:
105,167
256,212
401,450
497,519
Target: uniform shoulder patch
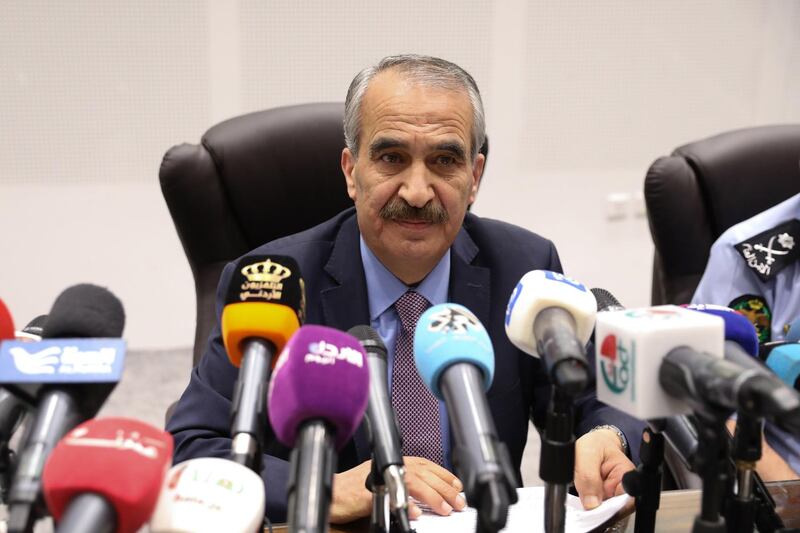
771,251
757,311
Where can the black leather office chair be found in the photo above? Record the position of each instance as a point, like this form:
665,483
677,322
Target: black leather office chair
707,186
252,179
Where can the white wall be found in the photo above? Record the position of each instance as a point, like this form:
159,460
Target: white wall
580,96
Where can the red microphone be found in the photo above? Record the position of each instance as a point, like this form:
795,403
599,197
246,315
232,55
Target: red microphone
106,475
6,324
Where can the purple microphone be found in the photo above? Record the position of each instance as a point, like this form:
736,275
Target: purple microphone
317,398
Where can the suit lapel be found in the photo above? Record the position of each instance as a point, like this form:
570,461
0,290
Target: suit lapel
470,285
345,303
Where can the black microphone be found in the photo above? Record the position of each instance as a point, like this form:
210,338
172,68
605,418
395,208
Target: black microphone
383,431
75,367
13,411
718,384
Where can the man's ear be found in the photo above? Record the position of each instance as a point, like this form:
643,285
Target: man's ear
348,164
477,174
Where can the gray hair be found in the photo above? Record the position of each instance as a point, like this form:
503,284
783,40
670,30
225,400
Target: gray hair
427,70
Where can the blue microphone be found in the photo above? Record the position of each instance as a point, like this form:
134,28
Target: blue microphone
737,326
783,358
455,358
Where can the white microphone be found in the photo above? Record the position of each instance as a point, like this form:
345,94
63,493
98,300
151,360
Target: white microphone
552,316
630,346
209,495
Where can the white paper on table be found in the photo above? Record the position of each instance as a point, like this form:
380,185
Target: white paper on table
526,516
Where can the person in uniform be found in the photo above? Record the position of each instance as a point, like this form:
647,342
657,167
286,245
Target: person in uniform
753,268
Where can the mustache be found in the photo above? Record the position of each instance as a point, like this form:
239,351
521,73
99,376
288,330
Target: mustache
399,209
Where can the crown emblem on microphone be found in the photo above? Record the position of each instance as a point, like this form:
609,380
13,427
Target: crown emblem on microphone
266,271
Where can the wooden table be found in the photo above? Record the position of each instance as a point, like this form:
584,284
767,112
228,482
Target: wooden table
676,513
679,508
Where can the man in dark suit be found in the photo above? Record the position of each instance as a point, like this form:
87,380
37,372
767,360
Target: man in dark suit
413,129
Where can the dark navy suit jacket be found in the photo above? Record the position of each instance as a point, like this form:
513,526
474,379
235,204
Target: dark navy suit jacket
487,260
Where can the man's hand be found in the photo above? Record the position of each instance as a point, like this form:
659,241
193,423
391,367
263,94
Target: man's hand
433,486
600,463
427,482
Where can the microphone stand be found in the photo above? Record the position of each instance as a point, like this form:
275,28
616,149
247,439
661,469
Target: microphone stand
752,503
713,465
644,483
380,518
557,459
746,452
313,462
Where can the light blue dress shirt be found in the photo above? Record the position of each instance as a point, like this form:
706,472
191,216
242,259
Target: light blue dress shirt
383,290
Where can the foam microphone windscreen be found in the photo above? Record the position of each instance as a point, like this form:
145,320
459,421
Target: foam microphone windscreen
120,459
738,327
447,334
784,360
605,300
265,299
321,373
85,311
35,326
6,323
209,494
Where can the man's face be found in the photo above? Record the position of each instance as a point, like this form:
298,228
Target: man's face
413,178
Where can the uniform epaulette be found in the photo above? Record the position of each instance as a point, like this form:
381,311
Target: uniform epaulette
772,250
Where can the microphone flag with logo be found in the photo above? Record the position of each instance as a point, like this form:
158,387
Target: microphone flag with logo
264,306
630,345
265,299
551,316
317,398
321,374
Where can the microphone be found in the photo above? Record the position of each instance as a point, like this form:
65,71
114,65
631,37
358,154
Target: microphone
742,348
783,358
606,301
12,409
455,358
551,316
105,475
209,494
388,469
317,397
67,379
264,305
34,330
631,346
6,323
738,327
752,502
678,430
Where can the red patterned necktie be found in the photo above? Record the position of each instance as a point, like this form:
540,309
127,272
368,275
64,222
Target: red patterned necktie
416,407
